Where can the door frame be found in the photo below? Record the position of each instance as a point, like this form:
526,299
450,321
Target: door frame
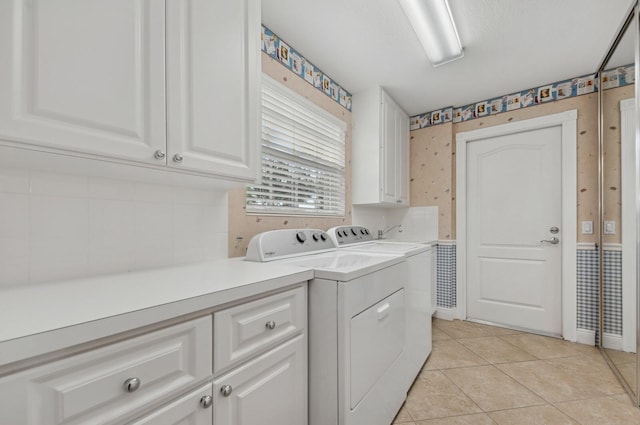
628,216
568,121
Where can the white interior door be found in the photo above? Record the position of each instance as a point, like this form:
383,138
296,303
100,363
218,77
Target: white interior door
514,200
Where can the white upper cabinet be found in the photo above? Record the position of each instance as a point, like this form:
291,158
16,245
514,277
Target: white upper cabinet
380,150
139,81
213,86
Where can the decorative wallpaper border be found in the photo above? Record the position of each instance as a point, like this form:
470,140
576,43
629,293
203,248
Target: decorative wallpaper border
299,65
579,86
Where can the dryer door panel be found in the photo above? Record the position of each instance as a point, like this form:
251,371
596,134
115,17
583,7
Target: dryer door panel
377,339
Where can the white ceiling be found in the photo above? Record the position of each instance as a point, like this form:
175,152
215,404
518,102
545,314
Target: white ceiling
510,45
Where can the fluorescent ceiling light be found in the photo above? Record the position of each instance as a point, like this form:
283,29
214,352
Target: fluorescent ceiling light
433,23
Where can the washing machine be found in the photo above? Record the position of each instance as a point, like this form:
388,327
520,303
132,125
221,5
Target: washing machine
357,323
420,260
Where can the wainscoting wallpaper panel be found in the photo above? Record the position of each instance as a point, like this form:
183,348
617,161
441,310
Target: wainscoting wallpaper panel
612,285
446,275
588,290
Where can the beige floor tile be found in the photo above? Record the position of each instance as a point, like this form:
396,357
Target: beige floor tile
448,354
601,411
535,415
491,389
624,398
621,357
564,379
628,372
495,350
544,379
464,329
402,416
435,396
438,335
541,346
477,419
592,375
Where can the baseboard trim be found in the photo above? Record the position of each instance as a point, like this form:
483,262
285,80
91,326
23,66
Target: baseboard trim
586,336
444,313
612,341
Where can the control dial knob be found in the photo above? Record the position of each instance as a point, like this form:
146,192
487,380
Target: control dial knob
353,231
301,237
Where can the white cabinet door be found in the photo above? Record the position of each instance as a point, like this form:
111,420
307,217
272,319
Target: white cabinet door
84,76
213,86
389,151
271,389
187,410
402,183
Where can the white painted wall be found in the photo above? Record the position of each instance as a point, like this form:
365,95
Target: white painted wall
58,226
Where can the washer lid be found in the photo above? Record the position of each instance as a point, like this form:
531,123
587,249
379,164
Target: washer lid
345,265
402,248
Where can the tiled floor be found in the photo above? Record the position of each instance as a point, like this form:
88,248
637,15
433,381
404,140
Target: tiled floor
626,364
480,374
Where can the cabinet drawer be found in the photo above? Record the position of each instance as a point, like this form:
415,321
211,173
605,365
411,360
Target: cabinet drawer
243,330
90,388
185,410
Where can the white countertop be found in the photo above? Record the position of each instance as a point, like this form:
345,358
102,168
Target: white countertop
48,314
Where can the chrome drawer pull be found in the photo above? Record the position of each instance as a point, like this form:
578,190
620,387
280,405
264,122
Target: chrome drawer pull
132,384
270,324
226,390
206,401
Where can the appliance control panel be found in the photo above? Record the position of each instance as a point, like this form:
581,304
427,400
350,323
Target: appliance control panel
285,243
347,235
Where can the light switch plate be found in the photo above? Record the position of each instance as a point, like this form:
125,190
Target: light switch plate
609,227
587,227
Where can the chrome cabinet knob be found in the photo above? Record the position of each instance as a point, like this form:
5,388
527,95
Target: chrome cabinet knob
177,158
159,154
132,384
226,390
552,241
270,324
206,401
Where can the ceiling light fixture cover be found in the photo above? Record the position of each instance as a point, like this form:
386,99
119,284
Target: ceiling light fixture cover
433,23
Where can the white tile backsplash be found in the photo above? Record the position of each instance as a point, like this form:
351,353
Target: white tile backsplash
57,226
418,224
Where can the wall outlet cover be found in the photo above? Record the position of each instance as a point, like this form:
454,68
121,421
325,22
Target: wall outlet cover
610,227
587,227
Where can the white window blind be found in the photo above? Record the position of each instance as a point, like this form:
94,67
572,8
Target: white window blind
303,157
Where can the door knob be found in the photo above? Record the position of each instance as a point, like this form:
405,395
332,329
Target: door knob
552,241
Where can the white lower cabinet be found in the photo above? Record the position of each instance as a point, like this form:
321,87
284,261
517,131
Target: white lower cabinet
167,377
271,389
192,409
109,384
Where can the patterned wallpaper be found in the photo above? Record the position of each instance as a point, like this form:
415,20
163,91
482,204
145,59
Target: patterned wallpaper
299,65
622,76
